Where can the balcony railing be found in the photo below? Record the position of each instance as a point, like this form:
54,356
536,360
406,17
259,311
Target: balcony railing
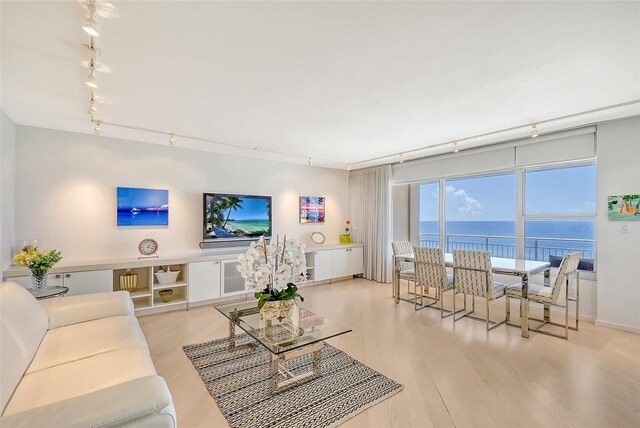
504,246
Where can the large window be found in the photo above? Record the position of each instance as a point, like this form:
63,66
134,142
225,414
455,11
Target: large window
559,213
536,214
480,214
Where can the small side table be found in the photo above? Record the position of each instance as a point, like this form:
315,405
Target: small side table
50,292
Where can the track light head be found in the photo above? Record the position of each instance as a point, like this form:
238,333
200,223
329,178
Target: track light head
310,161
348,166
172,140
401,158
98,128
91,78
456,148
92,108
89,25
534,131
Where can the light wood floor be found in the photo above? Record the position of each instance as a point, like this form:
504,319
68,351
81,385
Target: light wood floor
454,376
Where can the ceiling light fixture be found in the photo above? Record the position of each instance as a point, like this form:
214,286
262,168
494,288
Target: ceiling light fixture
349,166
401,158
98,128
456,148
172,140
90,26
310,161
534,131
91,78
92,103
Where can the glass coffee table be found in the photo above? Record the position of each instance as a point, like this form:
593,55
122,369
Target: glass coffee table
301,335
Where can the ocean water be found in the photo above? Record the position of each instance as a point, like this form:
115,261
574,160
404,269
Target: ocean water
249,226
143,218
543,238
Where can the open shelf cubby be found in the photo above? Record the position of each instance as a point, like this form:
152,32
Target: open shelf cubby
143,288
181,280
179,296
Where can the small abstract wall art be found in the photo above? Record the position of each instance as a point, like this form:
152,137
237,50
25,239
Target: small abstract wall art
624,208
311,209
143,207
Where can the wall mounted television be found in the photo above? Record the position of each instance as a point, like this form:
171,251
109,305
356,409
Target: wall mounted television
230,218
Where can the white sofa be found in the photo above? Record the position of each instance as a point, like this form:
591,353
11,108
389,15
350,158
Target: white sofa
79,361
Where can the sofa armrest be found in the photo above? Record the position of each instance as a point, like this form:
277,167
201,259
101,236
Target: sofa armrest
75,309
110,407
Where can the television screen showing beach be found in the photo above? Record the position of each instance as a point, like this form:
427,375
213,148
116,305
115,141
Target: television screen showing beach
143,207
231,216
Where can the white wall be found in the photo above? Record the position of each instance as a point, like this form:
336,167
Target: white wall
66,192
7,187
618,173
400,196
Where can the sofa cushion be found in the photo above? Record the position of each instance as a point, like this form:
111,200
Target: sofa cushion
73,342
80,377
23,325
68,310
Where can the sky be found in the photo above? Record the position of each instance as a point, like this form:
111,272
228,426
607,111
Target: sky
141,198
252,209
493,198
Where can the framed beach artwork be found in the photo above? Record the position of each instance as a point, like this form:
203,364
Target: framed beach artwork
312,209
624,208
143,207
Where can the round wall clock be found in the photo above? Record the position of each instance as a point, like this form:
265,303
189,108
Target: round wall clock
318,238
148,247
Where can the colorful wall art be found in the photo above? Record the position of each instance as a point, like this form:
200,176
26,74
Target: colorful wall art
143,207
311,209
624,208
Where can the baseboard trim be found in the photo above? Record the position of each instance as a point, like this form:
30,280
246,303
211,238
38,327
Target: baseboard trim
616,326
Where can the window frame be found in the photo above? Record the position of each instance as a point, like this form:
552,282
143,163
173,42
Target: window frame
524,216
520,213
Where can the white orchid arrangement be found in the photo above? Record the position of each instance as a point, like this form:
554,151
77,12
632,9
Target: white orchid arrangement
273,269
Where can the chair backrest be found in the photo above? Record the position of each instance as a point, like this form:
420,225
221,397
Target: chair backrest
23,324
472,272
568,266
403,248
430,268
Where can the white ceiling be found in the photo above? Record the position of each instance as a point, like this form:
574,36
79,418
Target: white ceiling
338,81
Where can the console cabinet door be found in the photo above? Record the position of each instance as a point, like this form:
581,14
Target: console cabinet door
93,281
322,265
356,260
204,280
341,262
232,281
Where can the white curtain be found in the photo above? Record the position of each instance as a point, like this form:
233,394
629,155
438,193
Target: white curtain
370,215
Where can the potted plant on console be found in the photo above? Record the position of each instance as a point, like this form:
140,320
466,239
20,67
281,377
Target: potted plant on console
39,264
273,270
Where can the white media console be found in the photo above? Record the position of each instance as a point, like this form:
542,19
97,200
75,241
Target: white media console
204,278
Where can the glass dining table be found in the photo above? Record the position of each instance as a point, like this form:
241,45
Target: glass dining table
502,266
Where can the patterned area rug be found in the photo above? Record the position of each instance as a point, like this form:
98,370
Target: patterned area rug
238,379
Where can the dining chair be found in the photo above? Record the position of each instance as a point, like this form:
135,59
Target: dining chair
473,275
406,269
431,272
558,294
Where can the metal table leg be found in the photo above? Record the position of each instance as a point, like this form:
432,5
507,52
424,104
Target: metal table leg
396,285
547,283
525,305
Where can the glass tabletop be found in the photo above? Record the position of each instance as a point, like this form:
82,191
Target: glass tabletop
49,292
304,328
